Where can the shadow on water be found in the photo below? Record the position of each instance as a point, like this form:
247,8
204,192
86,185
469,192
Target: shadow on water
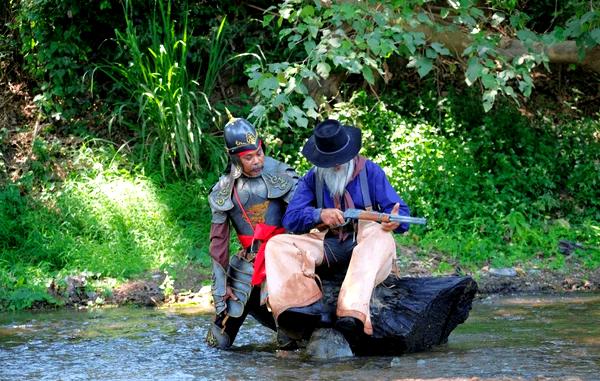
504,337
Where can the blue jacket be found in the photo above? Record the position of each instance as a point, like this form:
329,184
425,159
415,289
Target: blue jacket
302,213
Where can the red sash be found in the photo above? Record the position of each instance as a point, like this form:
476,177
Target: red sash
262,232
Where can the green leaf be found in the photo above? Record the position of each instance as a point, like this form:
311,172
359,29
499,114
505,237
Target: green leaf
510,91
559,34
312,113
424,18
334,42
301,89
526,35
387,47
105,4
373,43
309,103
589,16
323,69
307,73
409,42
284,32
293,40
279,100
489,81
474,71
368,74
505,75
302,121
307,11
281,77
258,111
595,34
267,20
309,46
441,49
424,66
419,38
476,12
467,20
497,19
296,113
285,12
268,85
525,87
488,99
430,53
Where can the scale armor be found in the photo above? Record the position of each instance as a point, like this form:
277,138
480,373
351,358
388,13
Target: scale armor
263,197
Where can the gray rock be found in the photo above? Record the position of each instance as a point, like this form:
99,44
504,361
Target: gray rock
510,272
327,343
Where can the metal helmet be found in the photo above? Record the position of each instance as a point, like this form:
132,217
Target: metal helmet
240,135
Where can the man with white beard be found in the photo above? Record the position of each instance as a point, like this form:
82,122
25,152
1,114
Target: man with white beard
366,250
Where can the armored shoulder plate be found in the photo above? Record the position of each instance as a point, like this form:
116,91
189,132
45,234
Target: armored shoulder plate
279,178
220,195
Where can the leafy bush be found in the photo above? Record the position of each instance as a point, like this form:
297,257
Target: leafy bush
170,111
106,220
60,39
495,190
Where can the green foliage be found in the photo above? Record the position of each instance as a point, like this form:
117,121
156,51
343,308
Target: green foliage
8,43
358,38
22,287
176,119
497,190
544,15
58,41
106,220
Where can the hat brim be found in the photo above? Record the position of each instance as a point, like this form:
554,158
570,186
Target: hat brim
328,160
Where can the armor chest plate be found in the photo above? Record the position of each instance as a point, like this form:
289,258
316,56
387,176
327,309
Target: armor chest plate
252,206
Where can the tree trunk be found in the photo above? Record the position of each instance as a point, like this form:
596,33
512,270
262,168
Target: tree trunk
411,314
565,52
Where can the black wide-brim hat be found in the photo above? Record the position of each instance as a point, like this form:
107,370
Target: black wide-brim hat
332,143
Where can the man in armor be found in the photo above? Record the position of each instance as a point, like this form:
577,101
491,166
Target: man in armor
251,197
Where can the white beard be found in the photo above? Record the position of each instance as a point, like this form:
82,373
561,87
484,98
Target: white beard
336,180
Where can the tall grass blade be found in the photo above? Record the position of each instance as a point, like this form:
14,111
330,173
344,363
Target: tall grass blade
169,111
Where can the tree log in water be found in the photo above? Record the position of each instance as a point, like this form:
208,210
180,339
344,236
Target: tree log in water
411,314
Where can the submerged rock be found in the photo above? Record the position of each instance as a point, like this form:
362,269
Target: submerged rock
327,343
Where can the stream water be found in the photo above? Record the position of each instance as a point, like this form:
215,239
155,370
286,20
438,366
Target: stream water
524,337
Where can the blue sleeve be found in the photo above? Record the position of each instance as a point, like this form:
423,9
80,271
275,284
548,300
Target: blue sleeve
301,214
384,196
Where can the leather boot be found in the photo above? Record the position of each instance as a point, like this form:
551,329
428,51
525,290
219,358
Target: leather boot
300,322
285,342
350,327
223,331
216,337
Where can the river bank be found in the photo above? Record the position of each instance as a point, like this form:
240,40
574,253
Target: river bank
191,286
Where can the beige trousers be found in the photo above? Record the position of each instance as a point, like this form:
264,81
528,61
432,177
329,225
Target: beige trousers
290,265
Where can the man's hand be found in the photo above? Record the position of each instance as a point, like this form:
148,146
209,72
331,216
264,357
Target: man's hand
332,217
229,294
391,226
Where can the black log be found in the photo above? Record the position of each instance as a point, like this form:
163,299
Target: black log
411,314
